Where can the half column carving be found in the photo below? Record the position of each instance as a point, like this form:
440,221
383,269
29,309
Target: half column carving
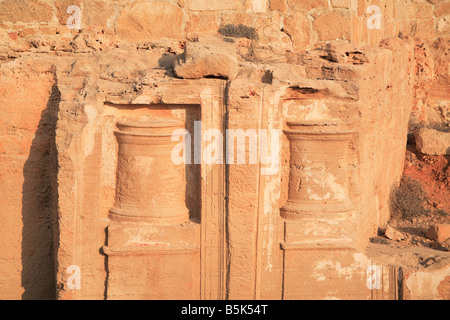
318,204
318,213
150,187
153,248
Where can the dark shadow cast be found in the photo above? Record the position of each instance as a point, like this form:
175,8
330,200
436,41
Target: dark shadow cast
168,62
193,170
39,207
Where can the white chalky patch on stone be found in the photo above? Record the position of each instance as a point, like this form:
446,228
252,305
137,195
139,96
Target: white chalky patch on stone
337,189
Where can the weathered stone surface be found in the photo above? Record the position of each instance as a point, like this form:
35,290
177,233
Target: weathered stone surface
424,29
121,65
333,25
443,25
433,142
145,20
203,22
211,5
439,232
341,3
26,153
296,26
256,6
27,32
61,9
25,11
344,52
279,5
424,11
427,284
98,13
442,9
307,5
393,234
214,58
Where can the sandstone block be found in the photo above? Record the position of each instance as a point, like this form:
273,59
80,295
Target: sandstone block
25,11
443,25
212,5
209,58
26,32
288,73
439,232
237,18
393,234
411,12
155,20
306,5
344,52
442,9
333,25
424,11
47,30
425,29
427,285
97,13
203,22
296,26
13,35
61,9
341,3
279,5
256,6
433,142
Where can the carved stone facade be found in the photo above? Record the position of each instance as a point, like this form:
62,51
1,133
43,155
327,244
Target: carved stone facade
320,104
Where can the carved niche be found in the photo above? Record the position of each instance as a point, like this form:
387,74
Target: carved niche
135,223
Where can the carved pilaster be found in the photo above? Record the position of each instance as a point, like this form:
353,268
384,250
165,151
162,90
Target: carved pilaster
318,208
150,187
150,239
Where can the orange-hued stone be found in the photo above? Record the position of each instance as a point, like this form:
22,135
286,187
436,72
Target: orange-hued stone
318,180
321,108
150,187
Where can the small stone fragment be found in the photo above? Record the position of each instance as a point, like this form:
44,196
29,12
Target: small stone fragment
439,232
433,142
393,234
213,58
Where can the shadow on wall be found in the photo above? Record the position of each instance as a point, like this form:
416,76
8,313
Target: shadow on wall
39,207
